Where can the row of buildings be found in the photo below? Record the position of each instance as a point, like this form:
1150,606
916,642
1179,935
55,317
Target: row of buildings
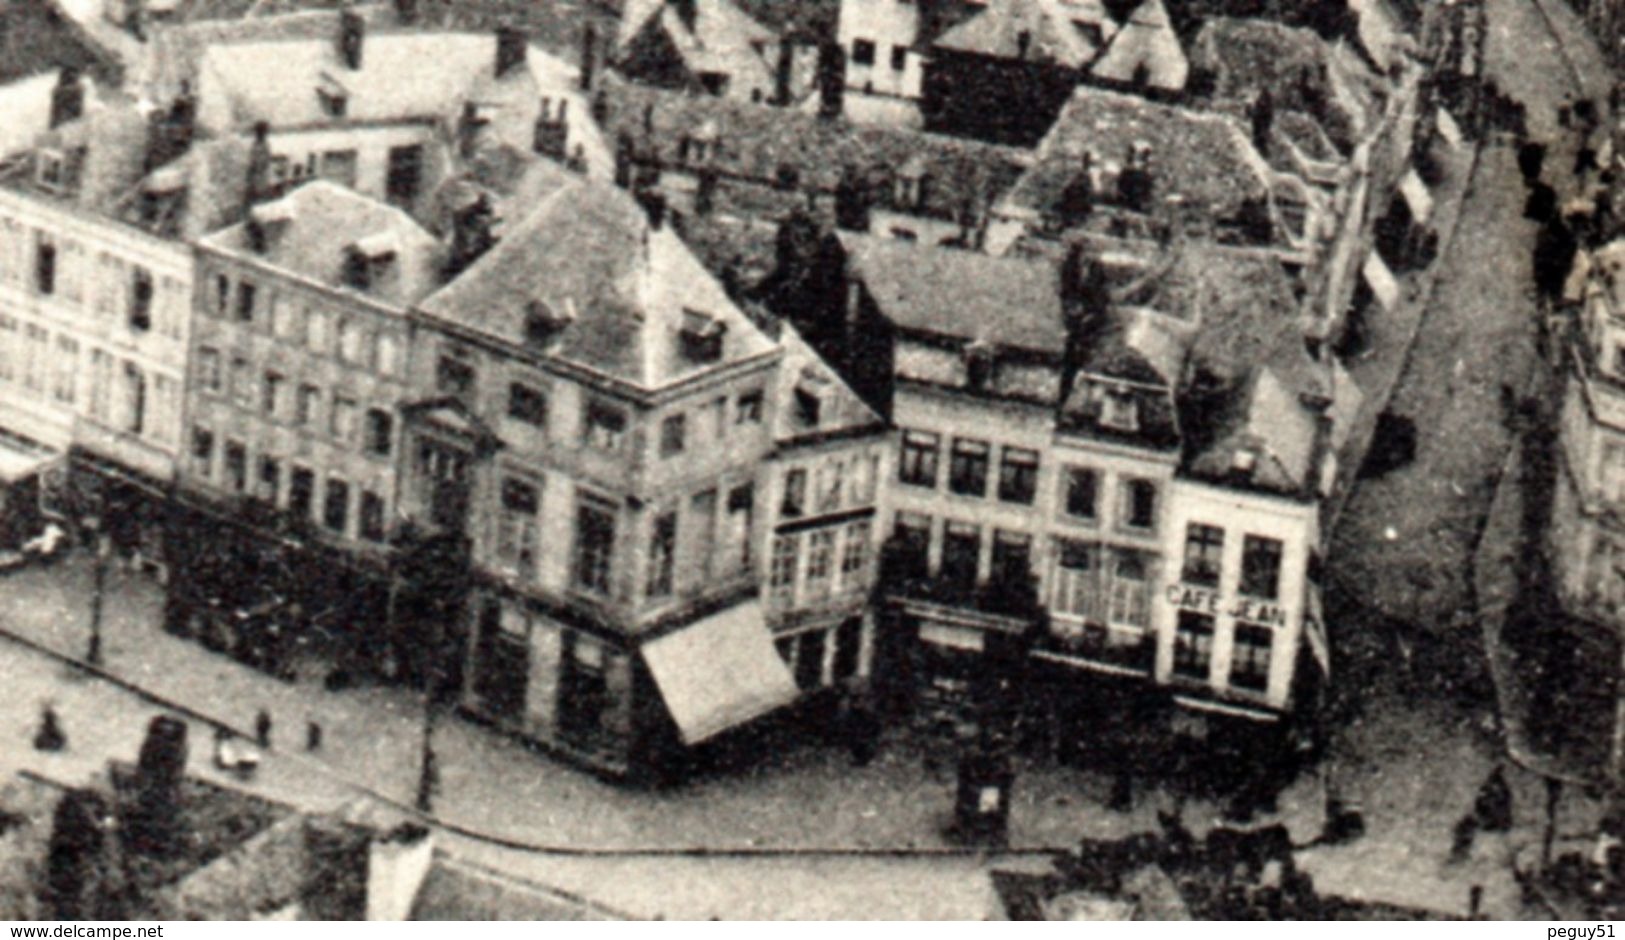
603,406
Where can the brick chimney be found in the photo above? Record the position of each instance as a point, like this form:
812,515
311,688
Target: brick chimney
259,165
552,135
589,56
68,97
352,36
511,50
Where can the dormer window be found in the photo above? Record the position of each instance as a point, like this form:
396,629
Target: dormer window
1119,410
364,261
701,337
335,99
979,363
544,321
809,398
51,170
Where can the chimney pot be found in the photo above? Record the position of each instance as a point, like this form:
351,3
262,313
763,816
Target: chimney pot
68,97
352,37
511,50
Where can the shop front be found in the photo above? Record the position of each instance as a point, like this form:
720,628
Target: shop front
29,474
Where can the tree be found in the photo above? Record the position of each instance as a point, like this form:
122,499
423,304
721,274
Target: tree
153,824
79,862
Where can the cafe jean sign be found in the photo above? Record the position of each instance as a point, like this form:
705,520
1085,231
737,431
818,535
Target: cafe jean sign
1203,601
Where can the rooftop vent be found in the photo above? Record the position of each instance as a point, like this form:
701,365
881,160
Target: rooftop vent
701,336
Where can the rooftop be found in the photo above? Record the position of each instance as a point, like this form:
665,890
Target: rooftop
759,142
311,231
37,36
840,409
1204,161
720,39
619,290
1038,30
1145,52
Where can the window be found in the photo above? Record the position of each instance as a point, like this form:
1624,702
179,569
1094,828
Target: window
301,492
309,405
455,377
899,58
1204,553
516,526
854,553
595,544
271,402
380,432
917,465
820,562
336,509
1082,486
1119,411
245,301
65,370
1012,557
1250,657
809,404
863,52
45,267
865,469
848,649
140,313
1193,645
1076,591
222,295
236,456
318,324
1260,567
1018,476
135,399
9,349
967,470
270,479
662,554
39,353
405,173
527,404
351,342
203,452
671,435
341,421
831,484
749,408
912,538
372,516
242,386
284,319
339,166
795,494
1131,588
1140,511
810,660
961,554
782,575
388,355
605,425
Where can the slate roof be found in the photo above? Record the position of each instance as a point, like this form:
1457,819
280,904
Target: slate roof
1145,44
753,141
589,253
1207,160
724,39
198,192
323,220
1051,26
1302,72
102,153
38,36
840,408
1011,302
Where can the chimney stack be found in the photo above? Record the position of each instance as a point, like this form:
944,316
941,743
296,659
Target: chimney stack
782,72
471,235
259,164
169,134
831,80
552,135
654,205
511,49
589,56
406,12
688,11
352,36
68,97
468,129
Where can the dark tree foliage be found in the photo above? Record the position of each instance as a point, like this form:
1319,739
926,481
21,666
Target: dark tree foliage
78,863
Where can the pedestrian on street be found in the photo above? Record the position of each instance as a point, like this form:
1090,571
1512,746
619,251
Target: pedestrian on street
262,728
1493,808
313,736
50,737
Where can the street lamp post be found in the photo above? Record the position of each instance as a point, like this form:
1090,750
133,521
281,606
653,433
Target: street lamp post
93,654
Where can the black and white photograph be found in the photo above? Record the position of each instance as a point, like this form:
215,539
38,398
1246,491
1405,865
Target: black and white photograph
812,460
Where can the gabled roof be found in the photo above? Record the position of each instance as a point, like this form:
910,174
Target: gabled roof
1206,160
198,192
754,141
1300,70
37,36
1145,46
723,39
840,408
321,222
587,255
963,295
1054,31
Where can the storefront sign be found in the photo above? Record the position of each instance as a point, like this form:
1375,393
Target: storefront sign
1204,601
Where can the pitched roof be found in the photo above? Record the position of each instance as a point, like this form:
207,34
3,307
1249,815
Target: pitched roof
1300,70
1053,31
723,38
840,408
102,154
1013,302
322,221
457,890
588,254
754,141
198,192
1147,45
38,36
1206,160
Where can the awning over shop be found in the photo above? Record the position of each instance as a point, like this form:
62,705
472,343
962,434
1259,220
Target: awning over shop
1416,196
719,672
1381,280
21,458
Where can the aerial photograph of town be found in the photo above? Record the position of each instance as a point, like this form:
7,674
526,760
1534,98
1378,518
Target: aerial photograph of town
820,460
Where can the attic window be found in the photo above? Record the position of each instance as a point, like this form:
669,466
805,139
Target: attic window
334,97
1243,461
701,336
809,398
1119,410
364,260
50,172
543,321
979,362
